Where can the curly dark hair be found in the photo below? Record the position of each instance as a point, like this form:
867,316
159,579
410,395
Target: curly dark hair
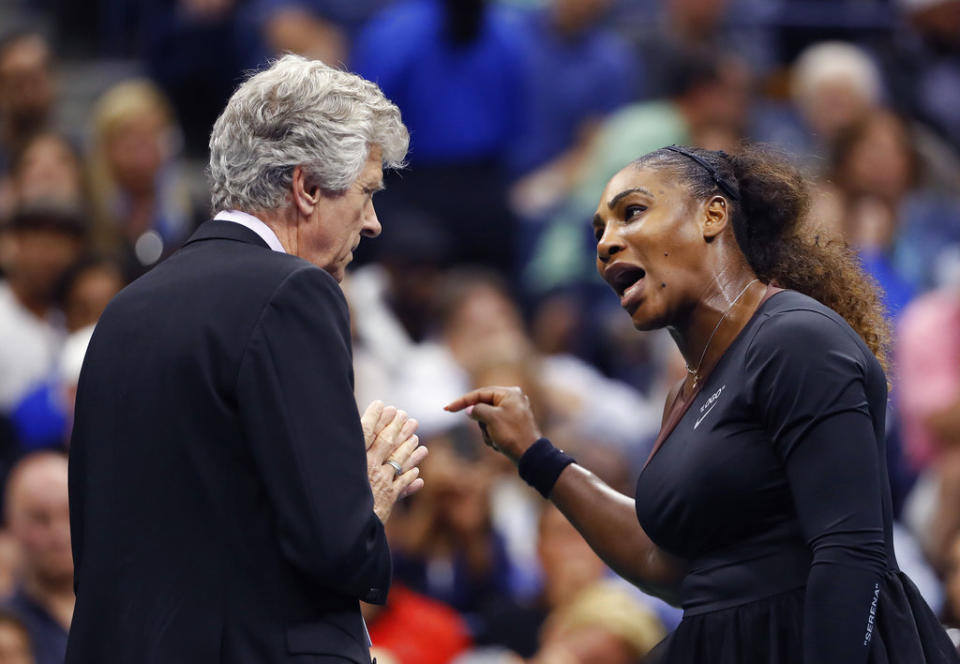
770,223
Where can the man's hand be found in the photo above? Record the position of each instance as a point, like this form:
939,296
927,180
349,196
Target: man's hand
390,439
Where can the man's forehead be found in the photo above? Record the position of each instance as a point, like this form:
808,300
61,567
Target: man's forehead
372,172
371,180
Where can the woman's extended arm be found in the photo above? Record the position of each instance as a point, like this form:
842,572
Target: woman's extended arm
606,518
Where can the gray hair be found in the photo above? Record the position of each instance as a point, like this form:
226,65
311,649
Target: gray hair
836,61
299,112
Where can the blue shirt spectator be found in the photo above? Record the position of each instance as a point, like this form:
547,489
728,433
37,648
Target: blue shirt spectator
461,100
47,636
578,71
897,291
930,224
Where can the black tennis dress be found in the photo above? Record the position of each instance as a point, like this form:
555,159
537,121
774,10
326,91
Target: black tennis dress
771,481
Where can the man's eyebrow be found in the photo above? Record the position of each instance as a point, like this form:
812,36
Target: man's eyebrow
616,199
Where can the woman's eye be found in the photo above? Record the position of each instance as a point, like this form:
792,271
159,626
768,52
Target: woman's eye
633,210
598,233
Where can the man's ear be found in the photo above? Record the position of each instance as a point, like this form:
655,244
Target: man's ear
716,217
305,196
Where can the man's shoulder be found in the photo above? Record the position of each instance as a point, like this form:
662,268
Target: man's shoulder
220,263
220,281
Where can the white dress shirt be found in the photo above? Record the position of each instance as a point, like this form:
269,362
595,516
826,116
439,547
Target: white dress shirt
265,232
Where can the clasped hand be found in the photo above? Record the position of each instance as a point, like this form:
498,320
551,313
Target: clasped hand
390,439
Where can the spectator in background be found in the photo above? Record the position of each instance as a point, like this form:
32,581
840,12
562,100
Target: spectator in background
455,69
37,513
319,29
836,84
195,50
569,566
568,42
47,170
14,640
928,364
926,67
446,546
27,90
871,199
142,205
44,417
86,288
898,225
45,243
604,624
672,29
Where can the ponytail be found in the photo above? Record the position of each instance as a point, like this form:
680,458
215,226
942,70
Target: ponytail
771,226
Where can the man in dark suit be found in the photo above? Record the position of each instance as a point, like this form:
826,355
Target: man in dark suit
223,506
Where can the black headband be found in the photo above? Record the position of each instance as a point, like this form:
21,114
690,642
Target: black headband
722,184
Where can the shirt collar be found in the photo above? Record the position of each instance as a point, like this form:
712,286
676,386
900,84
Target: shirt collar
265,232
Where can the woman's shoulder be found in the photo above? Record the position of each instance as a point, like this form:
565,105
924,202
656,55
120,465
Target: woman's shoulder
791,324
791,301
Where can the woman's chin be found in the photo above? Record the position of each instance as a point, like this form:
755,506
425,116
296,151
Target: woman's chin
644,321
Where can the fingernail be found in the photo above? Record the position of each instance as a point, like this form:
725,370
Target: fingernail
469,410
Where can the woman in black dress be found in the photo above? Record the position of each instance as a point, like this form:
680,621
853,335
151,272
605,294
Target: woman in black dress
764,509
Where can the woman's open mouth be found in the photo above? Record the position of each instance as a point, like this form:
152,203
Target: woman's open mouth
627,281
623,276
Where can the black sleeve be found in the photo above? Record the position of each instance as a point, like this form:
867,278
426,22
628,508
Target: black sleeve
295,396
810,390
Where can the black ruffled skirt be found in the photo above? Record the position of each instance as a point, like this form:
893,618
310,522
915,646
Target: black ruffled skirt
769,632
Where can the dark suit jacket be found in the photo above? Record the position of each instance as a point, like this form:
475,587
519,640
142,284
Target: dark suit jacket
219,499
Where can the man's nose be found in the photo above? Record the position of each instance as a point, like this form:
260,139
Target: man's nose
371,225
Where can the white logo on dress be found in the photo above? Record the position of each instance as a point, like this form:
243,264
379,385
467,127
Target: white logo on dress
708,406
872,618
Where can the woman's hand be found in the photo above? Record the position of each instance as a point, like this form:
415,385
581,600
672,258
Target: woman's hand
505,418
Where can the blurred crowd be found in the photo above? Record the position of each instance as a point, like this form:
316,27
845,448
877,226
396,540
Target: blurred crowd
519,111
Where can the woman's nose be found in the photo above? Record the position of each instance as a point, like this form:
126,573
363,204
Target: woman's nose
608,245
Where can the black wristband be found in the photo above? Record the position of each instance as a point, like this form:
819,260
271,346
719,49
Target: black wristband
541,465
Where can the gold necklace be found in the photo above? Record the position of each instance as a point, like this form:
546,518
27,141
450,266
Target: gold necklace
696,372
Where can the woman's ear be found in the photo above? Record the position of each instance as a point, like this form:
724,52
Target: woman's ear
716,217
305,196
